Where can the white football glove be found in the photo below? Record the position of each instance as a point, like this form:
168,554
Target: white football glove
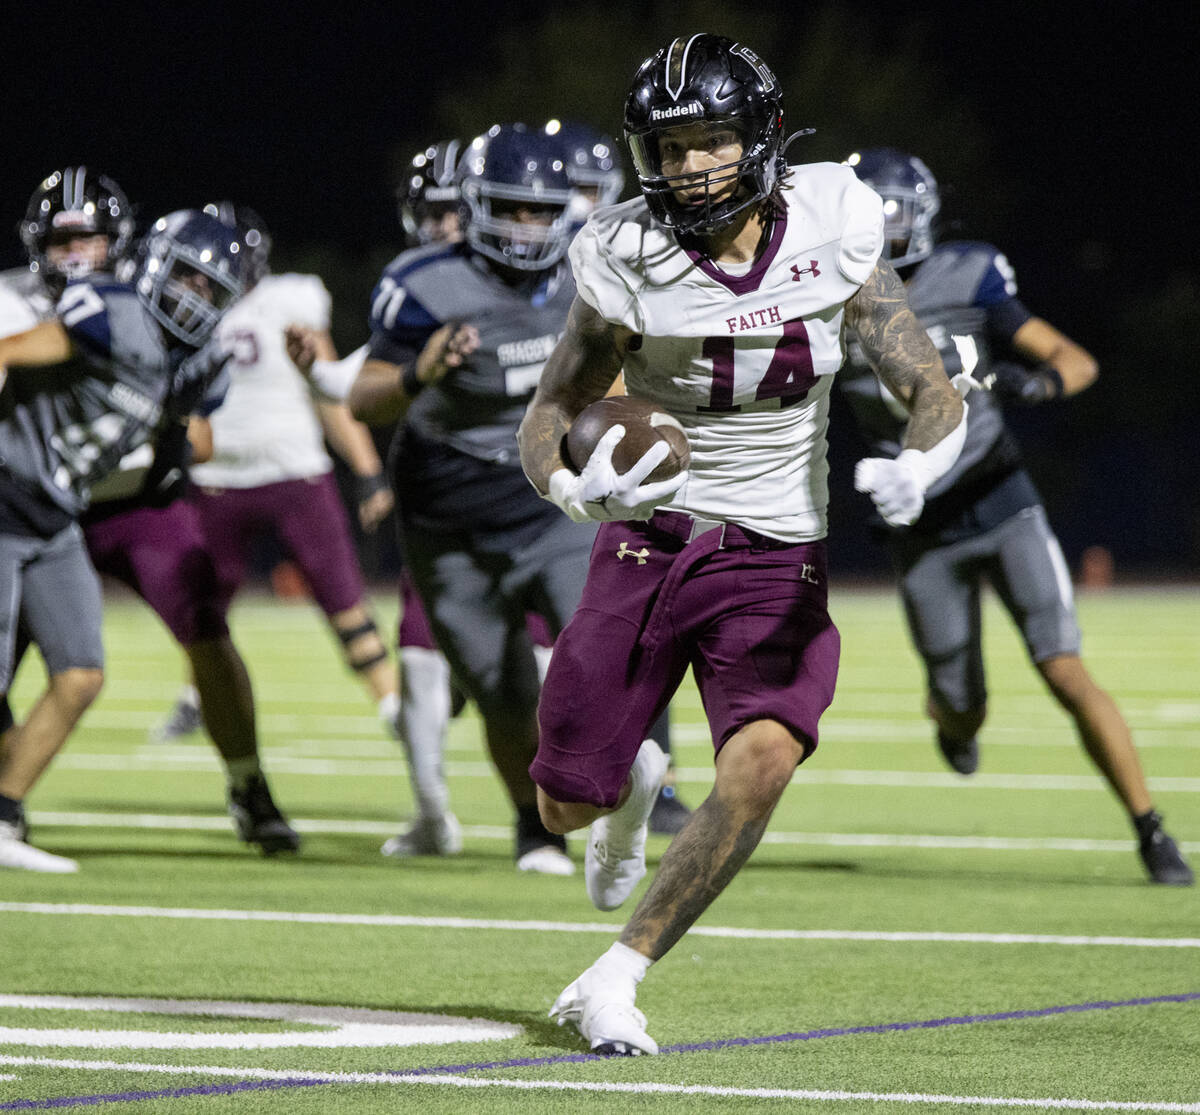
601,494
898,486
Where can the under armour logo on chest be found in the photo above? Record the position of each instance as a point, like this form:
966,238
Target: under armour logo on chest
798,272
625,552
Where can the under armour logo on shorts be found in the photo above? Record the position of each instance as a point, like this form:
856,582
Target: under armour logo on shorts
625,551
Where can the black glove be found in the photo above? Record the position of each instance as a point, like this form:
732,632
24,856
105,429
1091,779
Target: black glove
1017,383
168,478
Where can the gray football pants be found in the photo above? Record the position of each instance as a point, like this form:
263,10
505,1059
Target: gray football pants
476,600
49,587
941,588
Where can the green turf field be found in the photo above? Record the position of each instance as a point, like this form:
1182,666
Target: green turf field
904,940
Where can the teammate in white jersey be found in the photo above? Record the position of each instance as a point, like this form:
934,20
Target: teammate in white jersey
722,294
269,471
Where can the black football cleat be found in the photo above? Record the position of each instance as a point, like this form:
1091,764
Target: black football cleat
668,814
962,755
258,820
1164,862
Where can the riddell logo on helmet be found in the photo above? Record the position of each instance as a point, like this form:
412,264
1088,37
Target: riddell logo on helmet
692,108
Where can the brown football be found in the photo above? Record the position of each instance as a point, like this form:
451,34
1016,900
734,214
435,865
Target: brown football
644,424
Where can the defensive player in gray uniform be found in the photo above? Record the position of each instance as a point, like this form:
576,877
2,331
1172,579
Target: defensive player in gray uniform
983,520
136,528
460,332
722,295
105,376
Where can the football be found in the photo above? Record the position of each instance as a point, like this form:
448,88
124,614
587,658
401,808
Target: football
644,425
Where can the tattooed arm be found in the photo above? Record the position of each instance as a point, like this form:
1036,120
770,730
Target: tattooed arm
581,369
908,365
904,357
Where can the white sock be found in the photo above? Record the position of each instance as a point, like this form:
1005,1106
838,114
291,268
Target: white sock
628,962
541,655
189,695
423,722
389,710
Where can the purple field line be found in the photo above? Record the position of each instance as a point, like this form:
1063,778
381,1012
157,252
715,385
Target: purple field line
300,1081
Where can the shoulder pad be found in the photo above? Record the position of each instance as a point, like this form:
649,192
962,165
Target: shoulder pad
84,310
993,276
395,312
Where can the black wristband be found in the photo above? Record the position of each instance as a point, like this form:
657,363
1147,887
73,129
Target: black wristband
409,381
367,486
1053,378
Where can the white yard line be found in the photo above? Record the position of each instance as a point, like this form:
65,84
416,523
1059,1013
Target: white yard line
400,921
351,827
610,1087
150,758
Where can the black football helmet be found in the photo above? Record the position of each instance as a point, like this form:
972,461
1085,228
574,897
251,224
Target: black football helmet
507,167
254,241
189,272
910,201
75,201
429,190
711,80
593,166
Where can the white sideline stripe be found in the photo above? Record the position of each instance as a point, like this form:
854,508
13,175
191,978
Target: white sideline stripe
400,921
348,827
153,759
627,1088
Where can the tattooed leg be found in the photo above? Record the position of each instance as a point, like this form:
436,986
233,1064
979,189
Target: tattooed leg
753,770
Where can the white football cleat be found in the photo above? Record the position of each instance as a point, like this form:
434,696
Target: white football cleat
546,860
427,836
616,850
603,1013
16,854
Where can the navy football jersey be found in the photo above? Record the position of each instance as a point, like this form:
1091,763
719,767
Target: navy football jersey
64,428
455,456
965,295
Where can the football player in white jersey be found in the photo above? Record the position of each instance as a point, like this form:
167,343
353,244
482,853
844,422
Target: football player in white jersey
722,294
270,473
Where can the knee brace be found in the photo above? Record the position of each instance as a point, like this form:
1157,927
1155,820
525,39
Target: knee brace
369,658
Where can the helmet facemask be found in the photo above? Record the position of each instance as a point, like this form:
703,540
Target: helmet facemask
188,276
493,230
753,175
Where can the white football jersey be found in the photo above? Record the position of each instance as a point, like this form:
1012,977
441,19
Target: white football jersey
267,429
744,361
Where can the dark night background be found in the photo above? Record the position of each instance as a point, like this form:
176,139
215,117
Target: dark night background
1065,134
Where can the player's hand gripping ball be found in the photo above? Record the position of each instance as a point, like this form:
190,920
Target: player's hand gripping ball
645,424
